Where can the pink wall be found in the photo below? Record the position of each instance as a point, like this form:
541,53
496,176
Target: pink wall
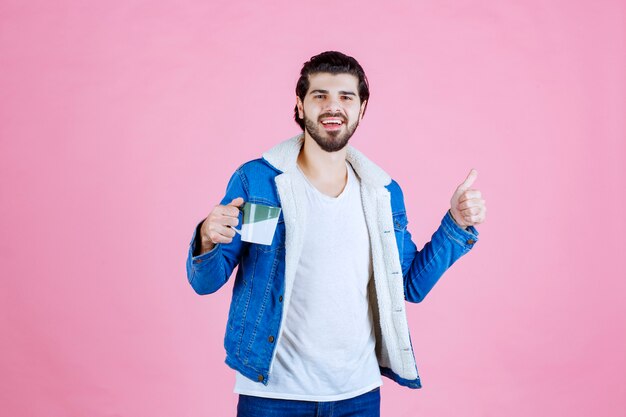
120,123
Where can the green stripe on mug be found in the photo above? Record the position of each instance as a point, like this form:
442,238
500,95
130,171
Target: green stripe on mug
253,213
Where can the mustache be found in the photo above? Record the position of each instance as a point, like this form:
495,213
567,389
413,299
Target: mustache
338,115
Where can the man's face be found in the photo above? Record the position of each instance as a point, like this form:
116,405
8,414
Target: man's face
331,109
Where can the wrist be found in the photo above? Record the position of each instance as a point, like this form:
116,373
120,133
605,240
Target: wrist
203,242
457,223
206,244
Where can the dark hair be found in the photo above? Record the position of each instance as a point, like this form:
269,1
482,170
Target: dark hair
332,62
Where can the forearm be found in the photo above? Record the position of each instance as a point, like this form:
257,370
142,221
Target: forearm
422,269
206,269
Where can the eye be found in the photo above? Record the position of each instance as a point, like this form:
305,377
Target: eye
347,97
319,96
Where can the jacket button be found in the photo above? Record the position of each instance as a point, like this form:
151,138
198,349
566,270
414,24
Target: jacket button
470,241
260,378
197,261
271,339
280,298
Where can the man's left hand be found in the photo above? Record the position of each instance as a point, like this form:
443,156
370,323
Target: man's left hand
466,205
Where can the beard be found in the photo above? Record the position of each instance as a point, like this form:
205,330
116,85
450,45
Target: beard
330,141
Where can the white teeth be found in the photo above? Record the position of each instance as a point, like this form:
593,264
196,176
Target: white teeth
337,122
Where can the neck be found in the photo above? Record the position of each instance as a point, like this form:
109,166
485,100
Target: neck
319,165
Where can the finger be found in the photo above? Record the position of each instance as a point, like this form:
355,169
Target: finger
224,231
470,195
474,209
218,238
470,219
470,211
227,210
227,220
472,202
221,234
469,180
236,202
475,218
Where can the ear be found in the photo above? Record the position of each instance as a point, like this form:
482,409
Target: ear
300,107
362,110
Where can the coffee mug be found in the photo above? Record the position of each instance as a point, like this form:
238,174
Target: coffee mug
259,223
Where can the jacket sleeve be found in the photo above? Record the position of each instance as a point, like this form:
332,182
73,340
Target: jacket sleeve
208,272
422,269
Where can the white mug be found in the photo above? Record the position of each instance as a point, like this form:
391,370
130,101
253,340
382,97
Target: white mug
259,223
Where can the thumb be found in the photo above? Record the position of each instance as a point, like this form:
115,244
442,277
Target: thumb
471,177
236,202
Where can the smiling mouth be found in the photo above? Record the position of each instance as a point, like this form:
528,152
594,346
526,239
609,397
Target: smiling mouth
332,123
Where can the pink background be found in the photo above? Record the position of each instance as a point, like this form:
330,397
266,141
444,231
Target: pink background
121,121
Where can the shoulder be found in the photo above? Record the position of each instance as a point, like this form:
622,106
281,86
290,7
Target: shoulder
256,168
257,178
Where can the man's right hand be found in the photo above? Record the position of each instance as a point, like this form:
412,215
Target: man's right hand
215,228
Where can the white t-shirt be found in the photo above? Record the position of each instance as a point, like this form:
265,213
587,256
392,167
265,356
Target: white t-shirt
326,351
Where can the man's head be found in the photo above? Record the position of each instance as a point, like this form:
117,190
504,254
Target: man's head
332,94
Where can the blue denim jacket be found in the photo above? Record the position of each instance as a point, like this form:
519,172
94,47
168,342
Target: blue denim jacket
265,273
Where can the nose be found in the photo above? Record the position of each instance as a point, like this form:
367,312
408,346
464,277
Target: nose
333,106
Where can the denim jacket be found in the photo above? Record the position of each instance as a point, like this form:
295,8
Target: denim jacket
265,273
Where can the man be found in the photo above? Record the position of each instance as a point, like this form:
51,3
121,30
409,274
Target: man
318,316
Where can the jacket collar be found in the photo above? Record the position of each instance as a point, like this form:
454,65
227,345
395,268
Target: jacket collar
283,157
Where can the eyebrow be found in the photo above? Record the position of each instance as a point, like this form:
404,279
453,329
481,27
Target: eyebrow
343,93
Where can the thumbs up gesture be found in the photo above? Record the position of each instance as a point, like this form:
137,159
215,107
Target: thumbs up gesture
466,205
